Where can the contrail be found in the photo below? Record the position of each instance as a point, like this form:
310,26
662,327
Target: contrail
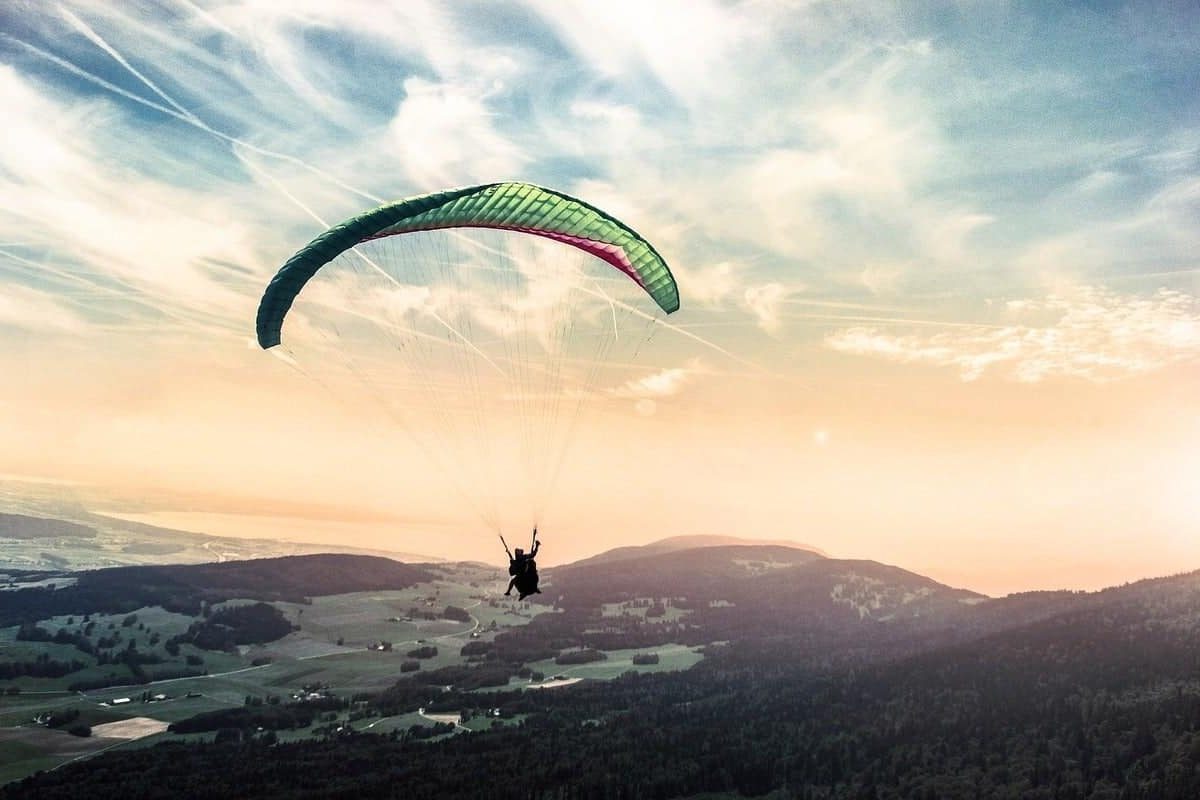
87,76
893,321
139,296
207,17
799,301
190,118
676,328
96,39
1133,276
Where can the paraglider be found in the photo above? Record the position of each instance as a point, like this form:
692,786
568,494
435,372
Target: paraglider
492,314
523,569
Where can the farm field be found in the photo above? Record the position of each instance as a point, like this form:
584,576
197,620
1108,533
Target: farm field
639,608
670,657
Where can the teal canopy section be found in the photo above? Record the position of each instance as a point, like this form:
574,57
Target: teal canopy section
519,207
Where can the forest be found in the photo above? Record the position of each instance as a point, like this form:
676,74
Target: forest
186,588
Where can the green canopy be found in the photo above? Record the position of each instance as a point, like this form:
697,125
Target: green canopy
519,207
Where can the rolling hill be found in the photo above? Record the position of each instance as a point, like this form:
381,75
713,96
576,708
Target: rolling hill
676,543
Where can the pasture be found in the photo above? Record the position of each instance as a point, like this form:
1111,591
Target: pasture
670,657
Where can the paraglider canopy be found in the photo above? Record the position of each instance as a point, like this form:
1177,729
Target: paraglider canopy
520,207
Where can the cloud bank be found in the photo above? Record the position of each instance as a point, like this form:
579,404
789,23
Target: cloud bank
1095,334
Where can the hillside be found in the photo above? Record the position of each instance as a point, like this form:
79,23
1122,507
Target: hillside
677,543
701,574
854,591
727,588
23,526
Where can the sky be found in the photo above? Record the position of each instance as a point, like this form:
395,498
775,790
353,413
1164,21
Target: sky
937,266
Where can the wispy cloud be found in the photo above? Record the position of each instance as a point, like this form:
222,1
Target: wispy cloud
1095,334
31,310
444,136
765,302
710,285
660,384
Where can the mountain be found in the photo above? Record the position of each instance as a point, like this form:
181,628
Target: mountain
675,543
754,584
651,571
816,609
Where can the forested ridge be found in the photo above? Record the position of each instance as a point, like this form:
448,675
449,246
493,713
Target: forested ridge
184,588
1101,700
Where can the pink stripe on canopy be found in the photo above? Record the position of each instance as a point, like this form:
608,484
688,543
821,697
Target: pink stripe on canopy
609,253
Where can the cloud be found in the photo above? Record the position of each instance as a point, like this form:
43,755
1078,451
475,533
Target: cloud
657,385
882,278
765,303
1094,334
86,220
445,137
682,46
31,310
708,285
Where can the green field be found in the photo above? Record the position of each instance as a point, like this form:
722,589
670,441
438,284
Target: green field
25,751
150,622
670,657
638,608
